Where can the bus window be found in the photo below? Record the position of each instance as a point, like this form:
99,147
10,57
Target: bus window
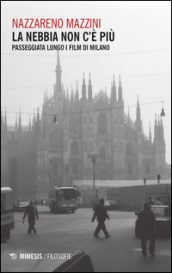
67,194
79,197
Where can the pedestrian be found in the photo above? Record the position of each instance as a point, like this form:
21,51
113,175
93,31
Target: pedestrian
158,201
102,215
147,227
32,212
150,201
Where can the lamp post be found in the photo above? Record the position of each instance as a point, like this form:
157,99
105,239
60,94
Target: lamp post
49,176
158,178
94,158
162,112
67,172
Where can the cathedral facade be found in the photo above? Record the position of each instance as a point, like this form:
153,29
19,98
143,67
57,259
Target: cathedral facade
54,149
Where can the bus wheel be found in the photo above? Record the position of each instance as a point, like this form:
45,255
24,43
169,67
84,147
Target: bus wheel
73,211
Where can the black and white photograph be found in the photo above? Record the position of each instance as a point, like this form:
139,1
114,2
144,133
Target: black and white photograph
85,136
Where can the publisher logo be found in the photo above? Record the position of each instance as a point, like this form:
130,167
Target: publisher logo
13,256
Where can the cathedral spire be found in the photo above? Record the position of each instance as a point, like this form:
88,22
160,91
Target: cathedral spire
138,114
113,80
83,78
128,113
71,94
58,75
162,130
83,88
58,59
64,101
120,96
67,95
44,97
158,121
38,116
159,130
89,89
155,128
139,124
38,124
77,85
113,90
150,132
77,93
72,99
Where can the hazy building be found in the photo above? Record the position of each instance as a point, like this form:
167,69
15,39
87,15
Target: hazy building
168,171
54,149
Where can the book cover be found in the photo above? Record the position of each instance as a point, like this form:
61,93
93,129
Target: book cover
85,106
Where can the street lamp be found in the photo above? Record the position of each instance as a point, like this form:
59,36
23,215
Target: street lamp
158,178
94,158
67,172
49,176
162,112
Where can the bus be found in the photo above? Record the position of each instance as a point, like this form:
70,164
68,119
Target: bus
7,213
62,199
79,197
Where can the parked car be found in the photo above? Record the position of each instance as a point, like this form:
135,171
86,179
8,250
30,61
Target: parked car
163,221
20,205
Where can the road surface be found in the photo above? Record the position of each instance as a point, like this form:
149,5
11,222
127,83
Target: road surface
67,233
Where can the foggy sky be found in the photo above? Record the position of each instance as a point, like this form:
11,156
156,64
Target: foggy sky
140,54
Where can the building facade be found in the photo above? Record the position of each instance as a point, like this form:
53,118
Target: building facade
55,148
